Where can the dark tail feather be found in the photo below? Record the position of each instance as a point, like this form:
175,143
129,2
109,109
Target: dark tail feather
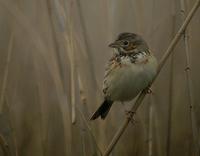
102,110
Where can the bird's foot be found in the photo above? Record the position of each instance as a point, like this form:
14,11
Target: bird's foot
130,116
148,90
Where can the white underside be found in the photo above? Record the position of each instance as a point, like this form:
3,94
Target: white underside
126,82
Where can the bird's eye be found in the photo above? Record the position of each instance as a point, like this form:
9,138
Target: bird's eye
125,43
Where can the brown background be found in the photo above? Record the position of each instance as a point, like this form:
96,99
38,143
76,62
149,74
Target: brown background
52,60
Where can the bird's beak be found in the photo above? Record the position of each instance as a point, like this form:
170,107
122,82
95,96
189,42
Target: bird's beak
114,45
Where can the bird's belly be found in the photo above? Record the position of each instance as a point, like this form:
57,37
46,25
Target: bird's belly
127,81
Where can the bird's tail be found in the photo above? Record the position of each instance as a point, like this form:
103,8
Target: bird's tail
102,110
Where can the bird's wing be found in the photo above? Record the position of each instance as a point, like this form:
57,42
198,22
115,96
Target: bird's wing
112,64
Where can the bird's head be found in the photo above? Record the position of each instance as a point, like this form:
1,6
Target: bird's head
128,43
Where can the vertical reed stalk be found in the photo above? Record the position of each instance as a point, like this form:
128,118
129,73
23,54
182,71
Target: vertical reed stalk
150,107
71,51
70,47
73,78
82,111
189,84
150,127
161,64
171,91
169,118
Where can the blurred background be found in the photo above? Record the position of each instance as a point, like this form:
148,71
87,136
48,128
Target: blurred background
52,60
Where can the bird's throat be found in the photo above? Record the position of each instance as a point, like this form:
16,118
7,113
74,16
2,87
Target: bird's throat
134,57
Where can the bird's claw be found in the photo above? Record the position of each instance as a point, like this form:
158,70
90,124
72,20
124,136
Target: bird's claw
130,116
149,90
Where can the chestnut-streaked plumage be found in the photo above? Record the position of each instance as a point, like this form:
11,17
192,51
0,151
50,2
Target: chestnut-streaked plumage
129,71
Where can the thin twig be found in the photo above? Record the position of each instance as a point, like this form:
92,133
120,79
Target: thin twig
189,85
161,64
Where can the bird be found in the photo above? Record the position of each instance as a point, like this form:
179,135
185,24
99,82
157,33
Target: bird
130,70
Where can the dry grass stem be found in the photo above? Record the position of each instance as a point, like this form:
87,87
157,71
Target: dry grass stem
161,64
189,85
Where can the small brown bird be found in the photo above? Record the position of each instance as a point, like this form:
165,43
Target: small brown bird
129,71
